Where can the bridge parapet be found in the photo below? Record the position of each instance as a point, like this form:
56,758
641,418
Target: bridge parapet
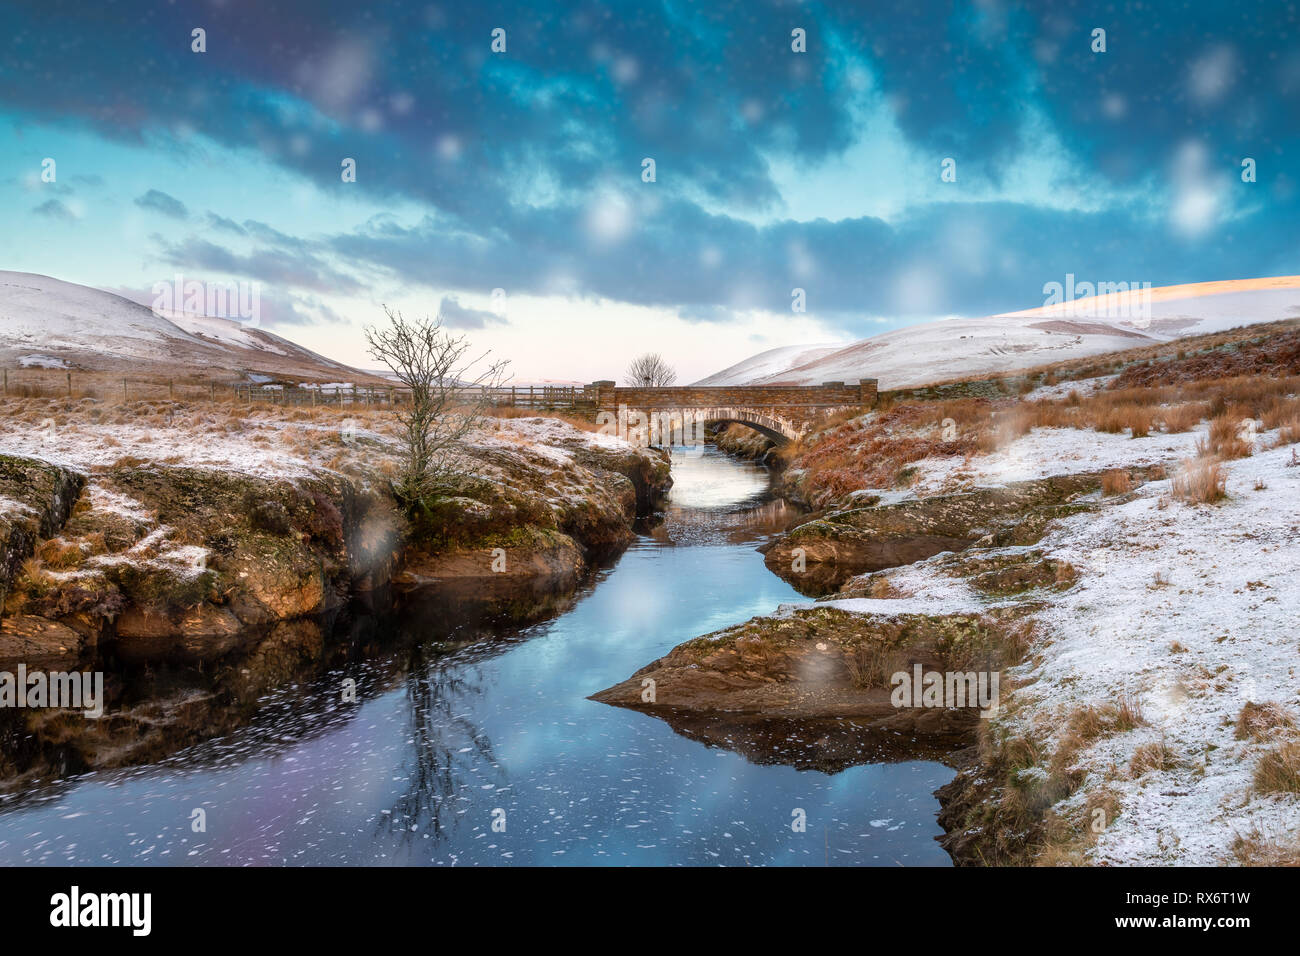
784,412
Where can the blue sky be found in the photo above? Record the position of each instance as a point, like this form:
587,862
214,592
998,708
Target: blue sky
522,170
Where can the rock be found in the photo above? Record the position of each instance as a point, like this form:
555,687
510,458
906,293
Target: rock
204,632
843,544
36,498
39,642
774,668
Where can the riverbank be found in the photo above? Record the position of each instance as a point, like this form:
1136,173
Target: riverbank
167,531
1121,554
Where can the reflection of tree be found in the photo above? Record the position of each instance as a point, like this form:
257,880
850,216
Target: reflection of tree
448,747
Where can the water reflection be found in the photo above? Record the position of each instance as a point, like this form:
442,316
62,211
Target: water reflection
447,745
461,721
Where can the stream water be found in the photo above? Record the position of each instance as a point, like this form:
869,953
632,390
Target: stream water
475,744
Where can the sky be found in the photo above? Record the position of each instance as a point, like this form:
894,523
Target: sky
821,171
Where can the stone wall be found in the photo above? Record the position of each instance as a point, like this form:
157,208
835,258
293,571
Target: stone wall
787,401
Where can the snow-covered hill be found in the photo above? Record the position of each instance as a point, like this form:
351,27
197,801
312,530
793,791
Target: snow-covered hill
1000,344
770,362
48,323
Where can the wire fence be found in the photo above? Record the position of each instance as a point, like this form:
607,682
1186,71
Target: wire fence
518,396
44,383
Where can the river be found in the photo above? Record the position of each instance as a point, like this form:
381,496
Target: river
473,745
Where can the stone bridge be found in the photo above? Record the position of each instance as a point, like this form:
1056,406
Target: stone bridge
678,414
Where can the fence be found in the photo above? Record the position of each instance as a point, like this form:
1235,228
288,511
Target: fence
518,396
34,383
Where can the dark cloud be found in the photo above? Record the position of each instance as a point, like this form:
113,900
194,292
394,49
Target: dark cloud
285,267
712,91
160,202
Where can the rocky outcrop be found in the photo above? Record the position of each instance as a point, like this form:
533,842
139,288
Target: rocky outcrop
823,664
167,562
520,543
819,556
35,500
173,562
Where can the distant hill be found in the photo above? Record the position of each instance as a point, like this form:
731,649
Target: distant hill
967,348
771,362
48,323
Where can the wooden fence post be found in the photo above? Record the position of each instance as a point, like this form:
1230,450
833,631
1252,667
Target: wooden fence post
69,385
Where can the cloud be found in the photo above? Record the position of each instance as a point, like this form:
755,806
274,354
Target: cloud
162,203
54,209
227,225
291,267
528,164
462,317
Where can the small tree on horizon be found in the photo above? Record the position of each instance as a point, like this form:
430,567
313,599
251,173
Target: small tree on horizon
650,371
447,398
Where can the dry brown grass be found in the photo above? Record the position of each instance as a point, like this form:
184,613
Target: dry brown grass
871,451
1116,482
1227,438
1085,724
873,665
1184,417
1258,849
1156,755
1262,721
1201,481
60,555
1133,418
1278,770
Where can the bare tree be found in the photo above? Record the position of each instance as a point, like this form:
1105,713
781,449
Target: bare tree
448,398
650,371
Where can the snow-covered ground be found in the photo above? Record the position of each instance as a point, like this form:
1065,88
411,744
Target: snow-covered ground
1002,344
1231,602
1043,452
261,442
1189,610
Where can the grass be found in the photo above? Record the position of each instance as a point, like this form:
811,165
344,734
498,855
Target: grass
879,450
873,665
1087,724
1259,849
1156,755
1116,482
1262,721
1201,481
1278,770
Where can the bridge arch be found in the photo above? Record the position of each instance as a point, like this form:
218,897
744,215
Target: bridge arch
783,413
